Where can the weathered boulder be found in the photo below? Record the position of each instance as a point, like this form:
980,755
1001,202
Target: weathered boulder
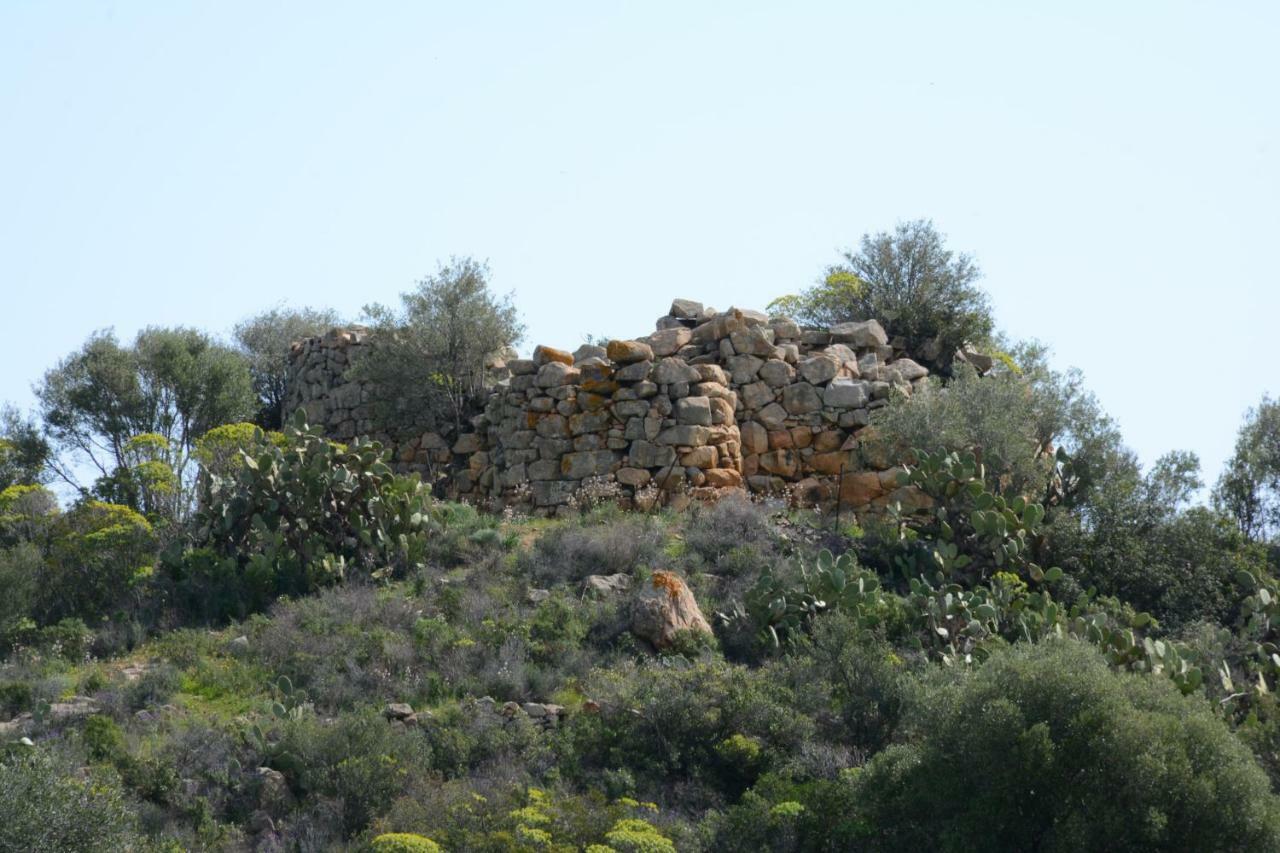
629,352
587,351
845,394
547,355
694,410
801,398
818,368
685,309
668,341
603,586
776,373
772,416
645,454
663,608
757,395
755,438
671,370
685,435
867,333
556,373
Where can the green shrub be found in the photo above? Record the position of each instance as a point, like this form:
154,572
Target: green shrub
1044,748
15,697
403,842
691,723
572,550
45,806
99,553
360,761
104,740
729,532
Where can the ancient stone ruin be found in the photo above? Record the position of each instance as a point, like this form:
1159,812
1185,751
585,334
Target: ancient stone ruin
710,401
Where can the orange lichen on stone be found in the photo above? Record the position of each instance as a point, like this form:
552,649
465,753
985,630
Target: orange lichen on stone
668,581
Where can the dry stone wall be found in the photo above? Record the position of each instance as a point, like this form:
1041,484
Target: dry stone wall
710,401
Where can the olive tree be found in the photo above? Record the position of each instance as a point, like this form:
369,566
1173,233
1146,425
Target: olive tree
170,385
428,359
910,281
1249,488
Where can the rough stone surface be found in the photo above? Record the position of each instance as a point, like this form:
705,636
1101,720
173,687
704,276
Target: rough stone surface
663,608
710,401
604,586
629,352
867,333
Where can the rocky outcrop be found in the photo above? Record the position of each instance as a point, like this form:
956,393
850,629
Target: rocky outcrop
663,608
710,401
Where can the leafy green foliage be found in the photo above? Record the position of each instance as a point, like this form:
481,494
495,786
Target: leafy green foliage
1140,542
98,555
403,842
428,361
172,383
1053,752
298,517
909,280
1249,488
24,451
1038,432
43,806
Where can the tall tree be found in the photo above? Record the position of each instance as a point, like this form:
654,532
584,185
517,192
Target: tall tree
428,362
1249,487
171,384
909,280
265,339
24,451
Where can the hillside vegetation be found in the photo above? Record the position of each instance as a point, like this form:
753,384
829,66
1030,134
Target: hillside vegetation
243,635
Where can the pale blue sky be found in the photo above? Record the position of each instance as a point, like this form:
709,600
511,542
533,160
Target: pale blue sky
1113,166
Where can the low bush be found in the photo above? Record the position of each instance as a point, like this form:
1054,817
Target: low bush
46,806
572,550
1044,748
722,532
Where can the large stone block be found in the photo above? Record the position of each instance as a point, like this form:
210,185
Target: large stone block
685,435
817,369
629,352
757,395
755,438
552,492
745,368
588,351
672,370
694,410
588,463
669,341
556,373
636,372
776,373
773,416
645,454
754,340
867,333
801,398
685,309
845,394
549,355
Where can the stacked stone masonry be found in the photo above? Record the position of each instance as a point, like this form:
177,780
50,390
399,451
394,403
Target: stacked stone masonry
710,401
